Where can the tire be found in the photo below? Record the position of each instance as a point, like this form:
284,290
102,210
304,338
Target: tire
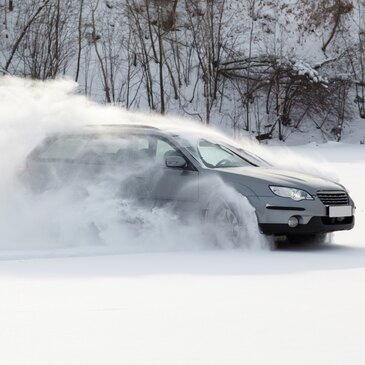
224,224
317,239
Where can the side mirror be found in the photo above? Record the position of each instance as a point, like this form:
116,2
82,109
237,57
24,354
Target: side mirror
175,161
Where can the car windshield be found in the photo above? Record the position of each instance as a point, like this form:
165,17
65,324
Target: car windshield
214,154
252,157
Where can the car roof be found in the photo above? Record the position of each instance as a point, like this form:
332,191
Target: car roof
163,130
95,129
167,130
126,125
113,127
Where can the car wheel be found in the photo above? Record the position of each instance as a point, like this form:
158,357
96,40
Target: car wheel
224,223
318,238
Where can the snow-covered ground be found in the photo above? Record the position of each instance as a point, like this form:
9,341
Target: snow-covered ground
174,300
241,315
298,305
301,307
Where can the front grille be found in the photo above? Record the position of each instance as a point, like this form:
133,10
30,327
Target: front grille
335,197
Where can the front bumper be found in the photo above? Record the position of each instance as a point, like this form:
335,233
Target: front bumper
314,226
273,214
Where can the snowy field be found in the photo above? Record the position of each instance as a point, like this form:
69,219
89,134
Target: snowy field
175,303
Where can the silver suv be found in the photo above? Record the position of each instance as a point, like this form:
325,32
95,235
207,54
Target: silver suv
182,168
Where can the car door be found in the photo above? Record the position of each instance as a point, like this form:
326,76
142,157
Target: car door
177,185
52,165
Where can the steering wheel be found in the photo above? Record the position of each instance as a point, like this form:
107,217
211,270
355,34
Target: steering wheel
224,162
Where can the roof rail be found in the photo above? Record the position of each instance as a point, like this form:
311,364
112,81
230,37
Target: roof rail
122,126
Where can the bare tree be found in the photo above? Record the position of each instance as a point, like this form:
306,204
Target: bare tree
22,34
79,41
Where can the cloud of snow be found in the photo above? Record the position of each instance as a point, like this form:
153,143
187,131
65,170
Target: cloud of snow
288,158
91,215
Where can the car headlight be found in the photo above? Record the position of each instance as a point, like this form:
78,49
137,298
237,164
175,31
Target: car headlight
292,193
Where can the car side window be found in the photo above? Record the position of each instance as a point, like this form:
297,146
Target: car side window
62,149
107,150
143,143
163,149
103,149
144,151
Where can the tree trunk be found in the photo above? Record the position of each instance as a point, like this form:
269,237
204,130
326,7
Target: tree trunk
79,41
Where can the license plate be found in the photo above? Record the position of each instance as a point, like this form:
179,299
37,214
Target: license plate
340,211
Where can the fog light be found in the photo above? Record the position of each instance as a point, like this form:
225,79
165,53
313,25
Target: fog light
293,222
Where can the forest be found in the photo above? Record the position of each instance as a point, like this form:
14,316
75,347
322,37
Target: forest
266,67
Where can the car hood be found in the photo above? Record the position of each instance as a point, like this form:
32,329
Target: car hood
259,178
